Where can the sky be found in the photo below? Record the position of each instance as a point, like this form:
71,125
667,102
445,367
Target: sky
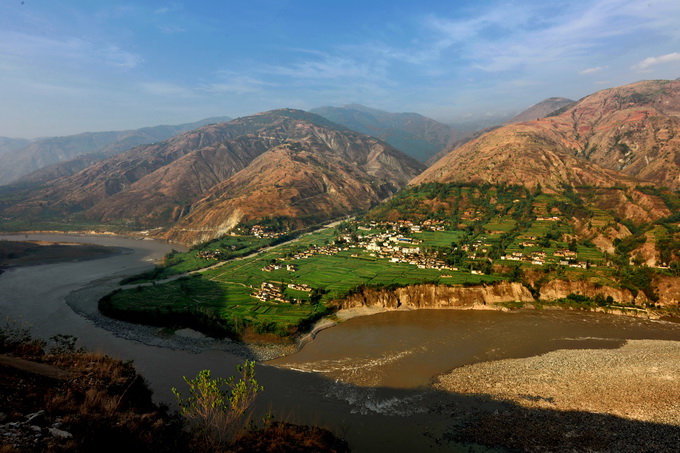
94,65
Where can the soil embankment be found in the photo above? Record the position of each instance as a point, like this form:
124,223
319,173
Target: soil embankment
438,296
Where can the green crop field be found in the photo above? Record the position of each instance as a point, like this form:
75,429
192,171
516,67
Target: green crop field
438,238
227,291
502,224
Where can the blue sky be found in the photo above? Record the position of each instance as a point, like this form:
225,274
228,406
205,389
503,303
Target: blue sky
91,65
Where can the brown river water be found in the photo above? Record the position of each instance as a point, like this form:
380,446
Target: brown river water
365,379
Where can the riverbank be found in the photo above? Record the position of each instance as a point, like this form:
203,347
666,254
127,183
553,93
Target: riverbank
638,381
85,300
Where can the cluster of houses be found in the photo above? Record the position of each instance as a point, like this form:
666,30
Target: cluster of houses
259,232
314,250
391,245
478,247
269,292
275,266
568,258
211,255
272,292
300,287
426,225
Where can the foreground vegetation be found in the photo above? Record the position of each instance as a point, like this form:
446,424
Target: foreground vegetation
444,234
56,398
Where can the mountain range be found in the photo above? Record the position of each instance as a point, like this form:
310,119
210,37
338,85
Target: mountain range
279,163
12,144
623,136
77,151
200,184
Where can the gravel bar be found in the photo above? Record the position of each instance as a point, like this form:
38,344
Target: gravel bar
639,381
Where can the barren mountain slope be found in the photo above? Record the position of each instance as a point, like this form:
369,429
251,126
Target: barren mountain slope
157,185
631,129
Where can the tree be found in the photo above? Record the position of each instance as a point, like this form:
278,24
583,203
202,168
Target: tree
573,245
216,408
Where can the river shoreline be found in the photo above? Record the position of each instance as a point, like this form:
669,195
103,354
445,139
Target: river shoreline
84,302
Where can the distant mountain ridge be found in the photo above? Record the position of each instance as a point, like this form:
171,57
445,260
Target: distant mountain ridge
284,162
543,108
413,134
98,145
11,144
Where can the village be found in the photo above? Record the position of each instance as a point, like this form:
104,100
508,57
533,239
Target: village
273,292
398,243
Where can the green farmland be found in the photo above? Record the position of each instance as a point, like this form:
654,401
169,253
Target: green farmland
222,297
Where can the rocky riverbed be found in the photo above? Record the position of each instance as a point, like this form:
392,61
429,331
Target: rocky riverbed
608,400
639,381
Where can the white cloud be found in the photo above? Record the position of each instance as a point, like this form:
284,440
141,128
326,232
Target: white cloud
504,38
173,8
66,50
592,70
653,61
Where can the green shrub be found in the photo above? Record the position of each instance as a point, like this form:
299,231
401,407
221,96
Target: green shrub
217,407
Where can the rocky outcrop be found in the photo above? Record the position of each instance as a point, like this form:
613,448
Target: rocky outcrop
558,289
668,289
438,296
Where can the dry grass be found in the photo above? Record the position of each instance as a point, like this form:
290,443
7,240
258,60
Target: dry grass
281,437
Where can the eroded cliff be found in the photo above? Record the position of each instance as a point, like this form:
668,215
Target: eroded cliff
438,296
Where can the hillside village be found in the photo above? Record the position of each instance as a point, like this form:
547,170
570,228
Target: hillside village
398,242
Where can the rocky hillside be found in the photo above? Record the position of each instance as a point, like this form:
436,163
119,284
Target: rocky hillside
94,145
323,176
413,134
284,162
618,136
